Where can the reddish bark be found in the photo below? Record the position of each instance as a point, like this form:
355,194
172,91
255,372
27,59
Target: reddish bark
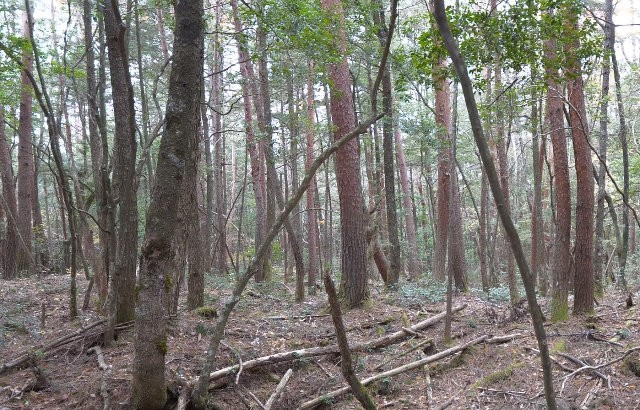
353,266
312,215
561,252
9,205
585,277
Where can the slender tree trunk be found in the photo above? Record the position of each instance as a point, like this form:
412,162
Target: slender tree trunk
388,154
584,279
476,124
483,233
312,215
177,158
537,222
562,238
622,258
25,177
407,203
9,205
352,208
600,253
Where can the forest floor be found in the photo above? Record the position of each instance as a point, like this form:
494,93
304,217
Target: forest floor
267,321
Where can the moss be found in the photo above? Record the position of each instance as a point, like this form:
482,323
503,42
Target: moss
168,282
497,376
632,363
162,346
559,311
559,346
207,312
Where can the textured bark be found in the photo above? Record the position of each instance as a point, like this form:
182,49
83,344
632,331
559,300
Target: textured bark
312,215
25,176
483,233
514,239
407,203
561,189
177,156
352,208
122,281
584,278
443,122
9,205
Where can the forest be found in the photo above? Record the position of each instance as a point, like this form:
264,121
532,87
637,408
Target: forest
286,204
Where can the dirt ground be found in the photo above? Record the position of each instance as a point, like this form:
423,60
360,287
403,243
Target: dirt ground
267,321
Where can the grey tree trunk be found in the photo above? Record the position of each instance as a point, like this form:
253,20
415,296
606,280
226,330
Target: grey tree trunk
178,155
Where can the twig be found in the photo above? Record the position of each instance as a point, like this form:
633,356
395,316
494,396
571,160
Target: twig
403,354
295,317
240,366
276,394
445,404
580,362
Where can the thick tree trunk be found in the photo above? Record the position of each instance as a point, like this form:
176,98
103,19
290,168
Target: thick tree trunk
177,157
443,122
584,278
352,208
122,282
562,238
9,205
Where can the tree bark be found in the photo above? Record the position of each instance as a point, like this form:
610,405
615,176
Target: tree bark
562,237
25,176
9,205
353,233
312,215
122,282
584,279
177,156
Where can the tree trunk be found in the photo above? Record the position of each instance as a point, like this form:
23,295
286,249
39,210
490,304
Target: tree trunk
25,177
407,203
600,253
312,215
9,205
537,222
483,239
122,282
562,238
388,154
443,124
584,278
177,156
352,208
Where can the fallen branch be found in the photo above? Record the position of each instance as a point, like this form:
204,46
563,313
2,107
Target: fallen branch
333,349
276,394
296,317
43,349
398,370
106,374
600,366
580,362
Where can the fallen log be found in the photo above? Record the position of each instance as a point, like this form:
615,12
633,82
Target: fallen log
393,372
276,394
332,349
